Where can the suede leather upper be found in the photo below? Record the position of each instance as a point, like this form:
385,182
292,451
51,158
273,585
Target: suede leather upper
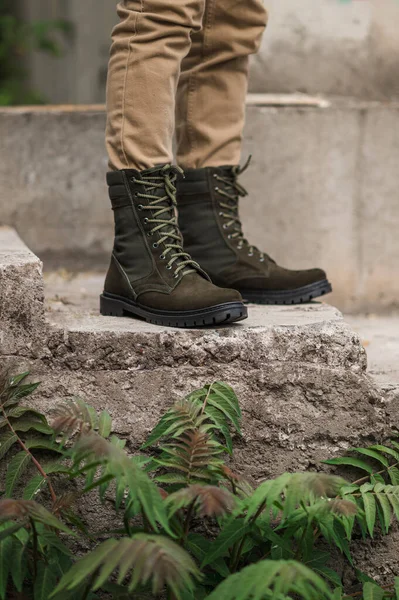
140,268
229,261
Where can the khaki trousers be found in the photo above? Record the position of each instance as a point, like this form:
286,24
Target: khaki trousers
180,67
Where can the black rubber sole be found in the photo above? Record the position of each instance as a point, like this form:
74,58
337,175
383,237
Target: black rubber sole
296,296
221,314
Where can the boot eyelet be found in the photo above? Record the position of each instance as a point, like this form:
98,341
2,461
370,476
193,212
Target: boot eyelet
225,226
229,237
215,176
145,220
149,234
261,260
169,267
216,189
140,207
155,245
250,253
220,214
176,275
162,257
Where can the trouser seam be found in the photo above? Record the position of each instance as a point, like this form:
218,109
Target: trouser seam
122,138
192,79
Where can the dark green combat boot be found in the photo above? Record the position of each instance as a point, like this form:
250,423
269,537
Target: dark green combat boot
150,275
209,221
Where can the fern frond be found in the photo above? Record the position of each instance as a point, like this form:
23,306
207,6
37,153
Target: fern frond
15,510
16,468
127,473
147,558
207,500
195,454
273,579
209,409
290,490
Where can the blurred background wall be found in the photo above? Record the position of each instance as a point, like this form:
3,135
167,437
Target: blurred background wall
340,47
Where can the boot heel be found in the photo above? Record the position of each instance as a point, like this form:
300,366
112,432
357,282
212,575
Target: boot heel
110,307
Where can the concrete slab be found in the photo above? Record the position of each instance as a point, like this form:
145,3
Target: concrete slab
22,322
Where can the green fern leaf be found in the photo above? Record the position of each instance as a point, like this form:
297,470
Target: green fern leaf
6,547
330,575
393,473
34,486
274,580
45,582
386,513
19,411
397,588
375,454
25,425
152,558
227,393
338,594
105,424
232,532
386,449
7,440
43,444
351,461
219,422
372,592
16,468
222,403
19,564
370,509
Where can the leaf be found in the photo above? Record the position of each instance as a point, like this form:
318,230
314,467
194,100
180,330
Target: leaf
397,588
370,511
385,511
105,424
274,580
17,466
371,591
45,582
351,461
232,532
24,509
5,565
18,564
373,454
34,486
25,425
7,440
152,558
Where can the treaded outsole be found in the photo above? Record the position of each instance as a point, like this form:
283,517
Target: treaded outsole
296,296
222,314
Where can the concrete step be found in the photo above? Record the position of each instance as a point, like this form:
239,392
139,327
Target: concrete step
323,189
22,320
300,372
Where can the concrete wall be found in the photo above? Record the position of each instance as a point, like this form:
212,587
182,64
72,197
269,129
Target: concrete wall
342,47
324,191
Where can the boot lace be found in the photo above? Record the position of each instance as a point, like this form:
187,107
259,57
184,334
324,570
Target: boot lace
233,190
163,216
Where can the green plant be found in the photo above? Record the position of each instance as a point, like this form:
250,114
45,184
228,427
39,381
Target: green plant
187,524
18,39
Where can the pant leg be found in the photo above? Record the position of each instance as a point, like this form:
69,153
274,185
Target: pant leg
210,109
149,44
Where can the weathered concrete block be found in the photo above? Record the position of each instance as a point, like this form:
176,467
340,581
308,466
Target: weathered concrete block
22,322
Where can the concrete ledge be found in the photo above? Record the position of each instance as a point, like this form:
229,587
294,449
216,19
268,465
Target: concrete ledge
323,190
22,322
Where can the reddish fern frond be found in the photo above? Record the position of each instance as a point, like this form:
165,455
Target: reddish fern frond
17,510
141,559
208,500
73,416
194,453
343,507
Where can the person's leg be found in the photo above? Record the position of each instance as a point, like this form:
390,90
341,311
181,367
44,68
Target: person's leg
149,44
213,84
210,113
150,275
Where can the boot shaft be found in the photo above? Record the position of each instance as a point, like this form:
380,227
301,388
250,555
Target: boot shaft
147,251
